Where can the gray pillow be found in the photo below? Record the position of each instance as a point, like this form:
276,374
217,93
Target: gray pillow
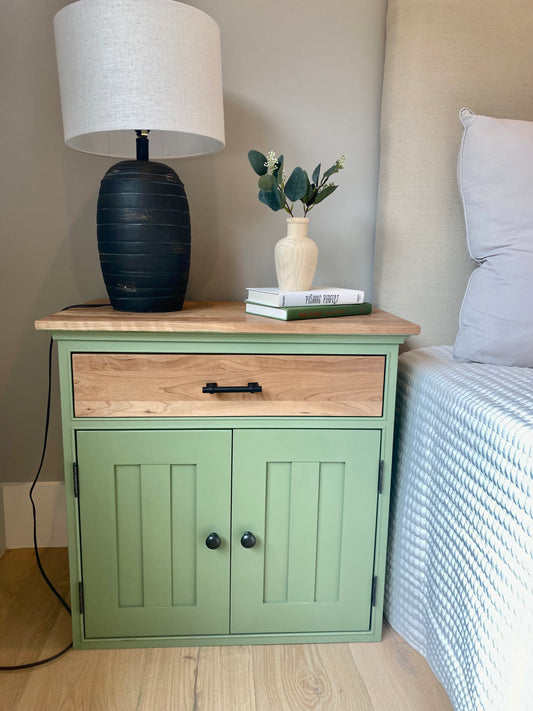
495,174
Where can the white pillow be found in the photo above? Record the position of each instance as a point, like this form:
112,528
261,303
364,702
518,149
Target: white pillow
495,174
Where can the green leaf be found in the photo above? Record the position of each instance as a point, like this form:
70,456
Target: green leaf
309,195
271,199
324,193
329,172
257,161
268,183
316,175
296,185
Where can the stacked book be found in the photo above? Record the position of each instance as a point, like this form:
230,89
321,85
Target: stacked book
313,303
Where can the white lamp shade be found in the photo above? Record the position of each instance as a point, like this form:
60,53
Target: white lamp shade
139,64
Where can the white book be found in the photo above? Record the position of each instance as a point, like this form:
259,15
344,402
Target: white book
326,296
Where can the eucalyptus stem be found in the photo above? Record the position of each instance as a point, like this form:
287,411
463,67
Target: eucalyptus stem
277,193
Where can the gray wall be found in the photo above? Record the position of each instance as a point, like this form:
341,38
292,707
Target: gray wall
302,77
2,529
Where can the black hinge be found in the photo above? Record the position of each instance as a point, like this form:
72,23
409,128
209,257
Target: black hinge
380,476
75,479
374,591
81,599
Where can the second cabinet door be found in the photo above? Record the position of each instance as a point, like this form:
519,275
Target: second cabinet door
309,497
147,502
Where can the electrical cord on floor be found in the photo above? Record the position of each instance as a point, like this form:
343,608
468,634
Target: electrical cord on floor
30,665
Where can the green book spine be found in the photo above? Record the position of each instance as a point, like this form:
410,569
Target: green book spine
302,312
295,313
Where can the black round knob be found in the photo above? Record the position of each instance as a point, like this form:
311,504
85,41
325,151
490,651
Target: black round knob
248,540
213,541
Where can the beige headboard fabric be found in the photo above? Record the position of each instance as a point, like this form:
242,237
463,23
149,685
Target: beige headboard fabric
441,55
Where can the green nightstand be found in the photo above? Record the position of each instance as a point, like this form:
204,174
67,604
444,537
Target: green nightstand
227,475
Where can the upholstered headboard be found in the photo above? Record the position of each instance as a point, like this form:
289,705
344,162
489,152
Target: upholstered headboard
441,55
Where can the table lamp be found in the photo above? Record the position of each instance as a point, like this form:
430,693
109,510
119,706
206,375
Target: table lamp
133,74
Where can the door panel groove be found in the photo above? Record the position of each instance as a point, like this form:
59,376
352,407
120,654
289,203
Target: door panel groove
329,531
130,571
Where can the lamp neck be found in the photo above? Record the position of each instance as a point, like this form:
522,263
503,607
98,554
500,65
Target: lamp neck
142,145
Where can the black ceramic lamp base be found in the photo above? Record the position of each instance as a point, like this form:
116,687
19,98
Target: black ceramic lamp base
144,236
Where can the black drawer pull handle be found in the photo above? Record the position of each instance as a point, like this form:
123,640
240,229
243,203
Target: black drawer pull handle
212,388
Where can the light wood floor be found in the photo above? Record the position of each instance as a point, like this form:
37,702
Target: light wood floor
385,676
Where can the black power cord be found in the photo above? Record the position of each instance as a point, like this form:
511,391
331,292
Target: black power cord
63,602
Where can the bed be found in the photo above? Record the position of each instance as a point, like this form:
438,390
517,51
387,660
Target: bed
454,252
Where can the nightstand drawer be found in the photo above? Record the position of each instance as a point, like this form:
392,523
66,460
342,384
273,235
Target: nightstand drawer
174,385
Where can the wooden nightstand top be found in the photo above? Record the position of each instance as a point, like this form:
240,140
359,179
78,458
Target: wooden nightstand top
219,317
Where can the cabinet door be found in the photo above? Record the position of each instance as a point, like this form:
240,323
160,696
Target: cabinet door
310,499
147,502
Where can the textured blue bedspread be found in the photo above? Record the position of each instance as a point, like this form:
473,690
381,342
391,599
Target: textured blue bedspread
460,565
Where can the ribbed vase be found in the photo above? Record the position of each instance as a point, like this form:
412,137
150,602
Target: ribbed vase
296,256
144,236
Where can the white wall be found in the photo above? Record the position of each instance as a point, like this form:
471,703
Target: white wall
300,76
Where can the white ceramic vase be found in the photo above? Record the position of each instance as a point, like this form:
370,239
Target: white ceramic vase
296,256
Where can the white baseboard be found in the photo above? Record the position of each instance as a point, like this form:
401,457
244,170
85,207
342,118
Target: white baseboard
49,497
